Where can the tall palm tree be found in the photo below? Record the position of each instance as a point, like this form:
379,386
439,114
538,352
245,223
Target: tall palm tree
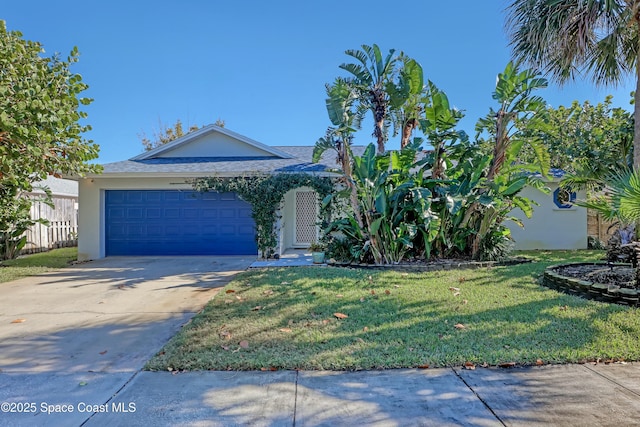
572,38
371,76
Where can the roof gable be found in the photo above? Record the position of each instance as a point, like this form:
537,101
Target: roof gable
213,141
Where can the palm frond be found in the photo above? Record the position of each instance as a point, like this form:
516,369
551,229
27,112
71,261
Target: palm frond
568,38
619,199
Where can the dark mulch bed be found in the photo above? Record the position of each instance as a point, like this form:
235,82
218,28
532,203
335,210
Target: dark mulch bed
620,275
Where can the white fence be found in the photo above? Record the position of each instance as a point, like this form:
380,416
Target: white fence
62,230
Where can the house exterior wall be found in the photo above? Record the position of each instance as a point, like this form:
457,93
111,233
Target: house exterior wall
550,227
91,220
91,232
287,221
216,145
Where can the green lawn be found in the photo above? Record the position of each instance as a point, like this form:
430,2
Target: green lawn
285,319
31,265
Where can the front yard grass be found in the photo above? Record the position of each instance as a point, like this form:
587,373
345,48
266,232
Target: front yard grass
289,319
31,265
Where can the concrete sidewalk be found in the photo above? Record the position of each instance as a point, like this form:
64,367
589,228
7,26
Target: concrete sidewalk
562,395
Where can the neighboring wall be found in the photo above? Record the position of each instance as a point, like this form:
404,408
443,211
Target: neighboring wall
550,227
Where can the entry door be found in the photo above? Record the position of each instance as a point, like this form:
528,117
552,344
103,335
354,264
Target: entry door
306,217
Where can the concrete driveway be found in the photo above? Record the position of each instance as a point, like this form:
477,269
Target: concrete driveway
83,332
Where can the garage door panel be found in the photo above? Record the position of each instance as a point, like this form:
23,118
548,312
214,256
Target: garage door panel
118,197
227,230
246,230
171,196
172,213
210,230
227,214
209,213
172,231
135,197
152,196
135,213
117,230
155,231
135,230
154,213
190,213
170,222
116,213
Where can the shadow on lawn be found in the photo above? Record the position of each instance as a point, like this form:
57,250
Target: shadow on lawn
301,330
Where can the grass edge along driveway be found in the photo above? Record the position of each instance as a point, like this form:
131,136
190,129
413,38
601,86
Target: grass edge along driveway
31,265
352,319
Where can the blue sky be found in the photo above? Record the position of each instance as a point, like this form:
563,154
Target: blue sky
261,66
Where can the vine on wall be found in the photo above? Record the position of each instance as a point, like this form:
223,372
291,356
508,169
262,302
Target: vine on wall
265,193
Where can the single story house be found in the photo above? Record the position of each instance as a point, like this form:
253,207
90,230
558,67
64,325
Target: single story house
146,205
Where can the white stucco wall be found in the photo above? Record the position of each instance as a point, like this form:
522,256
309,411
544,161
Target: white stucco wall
288,220
91,234
550,227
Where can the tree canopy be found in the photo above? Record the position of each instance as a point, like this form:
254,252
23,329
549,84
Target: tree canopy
572,38
585,138
41,129
41,124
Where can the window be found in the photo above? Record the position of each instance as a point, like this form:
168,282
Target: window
564,198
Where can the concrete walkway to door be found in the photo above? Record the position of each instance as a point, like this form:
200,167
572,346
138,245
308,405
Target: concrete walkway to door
81,333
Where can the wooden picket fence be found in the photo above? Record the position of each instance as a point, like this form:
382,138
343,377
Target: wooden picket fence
62,230
598,227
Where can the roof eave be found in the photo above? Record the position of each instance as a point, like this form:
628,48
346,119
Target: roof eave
203,131
141,175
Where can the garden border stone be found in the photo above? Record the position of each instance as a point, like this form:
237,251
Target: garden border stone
434,265
588,289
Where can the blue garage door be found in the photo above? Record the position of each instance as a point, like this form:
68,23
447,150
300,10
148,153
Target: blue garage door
170,222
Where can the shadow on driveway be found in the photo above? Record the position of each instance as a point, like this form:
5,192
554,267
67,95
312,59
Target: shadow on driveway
106,315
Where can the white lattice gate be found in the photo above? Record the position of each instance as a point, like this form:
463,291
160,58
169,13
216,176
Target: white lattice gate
306,218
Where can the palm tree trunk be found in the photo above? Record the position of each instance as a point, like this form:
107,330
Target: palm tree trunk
501,144
407,130
348,175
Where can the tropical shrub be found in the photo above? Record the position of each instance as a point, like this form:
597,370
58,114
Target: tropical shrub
15,219
451,201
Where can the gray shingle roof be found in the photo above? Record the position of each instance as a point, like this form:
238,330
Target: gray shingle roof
59,187
227,166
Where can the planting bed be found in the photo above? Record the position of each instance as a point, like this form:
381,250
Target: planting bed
601,281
